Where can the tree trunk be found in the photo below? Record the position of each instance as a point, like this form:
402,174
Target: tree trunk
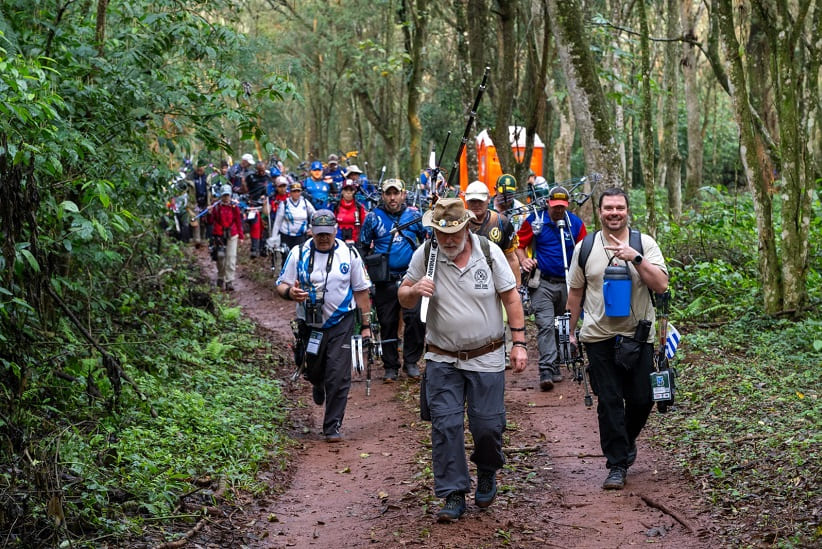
503,85
754,159
593,118
100,28
696,147
563,145
415,22
646,132
673,161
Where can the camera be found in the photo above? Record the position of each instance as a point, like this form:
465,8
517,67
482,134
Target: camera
643,330
314,313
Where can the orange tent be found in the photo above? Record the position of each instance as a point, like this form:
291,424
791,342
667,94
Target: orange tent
488,168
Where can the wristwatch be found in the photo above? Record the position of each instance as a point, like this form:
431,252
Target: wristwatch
637,260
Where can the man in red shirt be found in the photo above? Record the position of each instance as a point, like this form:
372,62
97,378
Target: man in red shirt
227,222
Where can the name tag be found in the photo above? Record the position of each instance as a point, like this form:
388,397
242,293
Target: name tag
314,341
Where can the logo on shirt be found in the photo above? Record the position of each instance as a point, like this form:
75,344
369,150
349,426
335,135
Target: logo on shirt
495,235
344,268
480,279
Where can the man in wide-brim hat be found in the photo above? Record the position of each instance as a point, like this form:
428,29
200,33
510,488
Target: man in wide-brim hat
465,355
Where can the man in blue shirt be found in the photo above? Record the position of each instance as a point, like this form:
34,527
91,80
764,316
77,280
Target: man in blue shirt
317,187
387,256
541,231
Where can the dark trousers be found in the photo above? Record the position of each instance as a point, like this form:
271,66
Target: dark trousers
337,381
448,390
388,312
292,241
623,398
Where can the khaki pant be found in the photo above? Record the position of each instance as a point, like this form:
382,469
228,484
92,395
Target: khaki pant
227,266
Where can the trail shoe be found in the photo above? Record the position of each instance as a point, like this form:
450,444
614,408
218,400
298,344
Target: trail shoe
556,373
334,437
631,454
220,283
453,509
412,371
486,488
546,382
390,375
615,479
229,287
318,393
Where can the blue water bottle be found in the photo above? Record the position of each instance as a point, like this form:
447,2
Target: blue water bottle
616,291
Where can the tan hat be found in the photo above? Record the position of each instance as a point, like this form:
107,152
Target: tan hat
353,168
393,184
448,215
476,191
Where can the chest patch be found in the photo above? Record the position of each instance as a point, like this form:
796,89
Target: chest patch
480,279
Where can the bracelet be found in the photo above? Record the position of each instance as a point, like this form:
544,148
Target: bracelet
287,294
516,329
520,344
365,327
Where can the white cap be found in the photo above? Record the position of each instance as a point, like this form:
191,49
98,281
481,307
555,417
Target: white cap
248,158
476,191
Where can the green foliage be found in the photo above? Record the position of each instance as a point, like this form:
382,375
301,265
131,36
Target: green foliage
748,424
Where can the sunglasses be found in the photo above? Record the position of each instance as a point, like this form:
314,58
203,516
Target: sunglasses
296,190
324,220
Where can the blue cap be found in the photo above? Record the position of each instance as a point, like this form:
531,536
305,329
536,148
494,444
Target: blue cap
316,165
274,171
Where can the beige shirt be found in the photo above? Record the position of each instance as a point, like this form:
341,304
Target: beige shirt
465,311
595,325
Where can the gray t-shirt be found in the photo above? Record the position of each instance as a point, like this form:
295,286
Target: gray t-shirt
465,311
595,325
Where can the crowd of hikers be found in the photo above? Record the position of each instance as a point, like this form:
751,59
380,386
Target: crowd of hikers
425,272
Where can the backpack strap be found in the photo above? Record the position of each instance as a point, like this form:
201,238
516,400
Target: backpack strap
634,241
485,246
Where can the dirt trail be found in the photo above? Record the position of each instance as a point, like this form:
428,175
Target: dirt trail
375,488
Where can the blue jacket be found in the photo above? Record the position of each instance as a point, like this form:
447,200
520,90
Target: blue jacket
547,250
377,230
318,192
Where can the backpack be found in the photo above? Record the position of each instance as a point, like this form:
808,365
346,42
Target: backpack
485,246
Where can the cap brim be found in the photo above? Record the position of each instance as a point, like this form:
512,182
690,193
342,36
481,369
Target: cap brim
324,229
553,203
473,196
386,187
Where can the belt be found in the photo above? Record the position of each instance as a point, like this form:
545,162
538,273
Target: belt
549,278
467,355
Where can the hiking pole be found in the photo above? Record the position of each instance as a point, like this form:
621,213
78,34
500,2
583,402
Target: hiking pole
471,117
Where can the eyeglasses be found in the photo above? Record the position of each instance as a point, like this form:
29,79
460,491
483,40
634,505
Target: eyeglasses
324,220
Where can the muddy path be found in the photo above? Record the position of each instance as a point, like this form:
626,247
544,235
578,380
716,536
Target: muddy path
375,488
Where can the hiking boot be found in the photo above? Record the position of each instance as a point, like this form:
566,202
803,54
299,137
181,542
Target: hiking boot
631,454
334,437
453,509
318,394
229,287
390,375
220,283
486,488
412,371
615,479
556,373
546,382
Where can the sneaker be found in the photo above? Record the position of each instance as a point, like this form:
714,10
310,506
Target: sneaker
631,454
453,509
220,283
615,479
486,488
412,370
390,375
546,382
318,393
334,437
229,287
556,373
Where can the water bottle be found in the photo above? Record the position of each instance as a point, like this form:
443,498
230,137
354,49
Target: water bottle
616,291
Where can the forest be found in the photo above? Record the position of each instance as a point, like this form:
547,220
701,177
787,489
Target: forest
126,380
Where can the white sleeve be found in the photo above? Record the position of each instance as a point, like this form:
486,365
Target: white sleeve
289,272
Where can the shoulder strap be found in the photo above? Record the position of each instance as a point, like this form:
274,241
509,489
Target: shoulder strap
485,246
585,250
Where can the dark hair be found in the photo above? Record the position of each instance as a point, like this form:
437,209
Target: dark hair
224,163
614,191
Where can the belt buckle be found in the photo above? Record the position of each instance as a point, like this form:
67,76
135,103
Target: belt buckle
462,355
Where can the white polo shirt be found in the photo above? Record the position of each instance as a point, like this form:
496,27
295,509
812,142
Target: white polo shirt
335,285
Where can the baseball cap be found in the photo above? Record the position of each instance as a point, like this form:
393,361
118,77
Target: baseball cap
324,222
281,180
316,165
448,215
476,191
225,189
295,186
248,158
558,196
333,159
398,184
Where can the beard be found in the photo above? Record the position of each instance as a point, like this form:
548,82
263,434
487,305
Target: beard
455,249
